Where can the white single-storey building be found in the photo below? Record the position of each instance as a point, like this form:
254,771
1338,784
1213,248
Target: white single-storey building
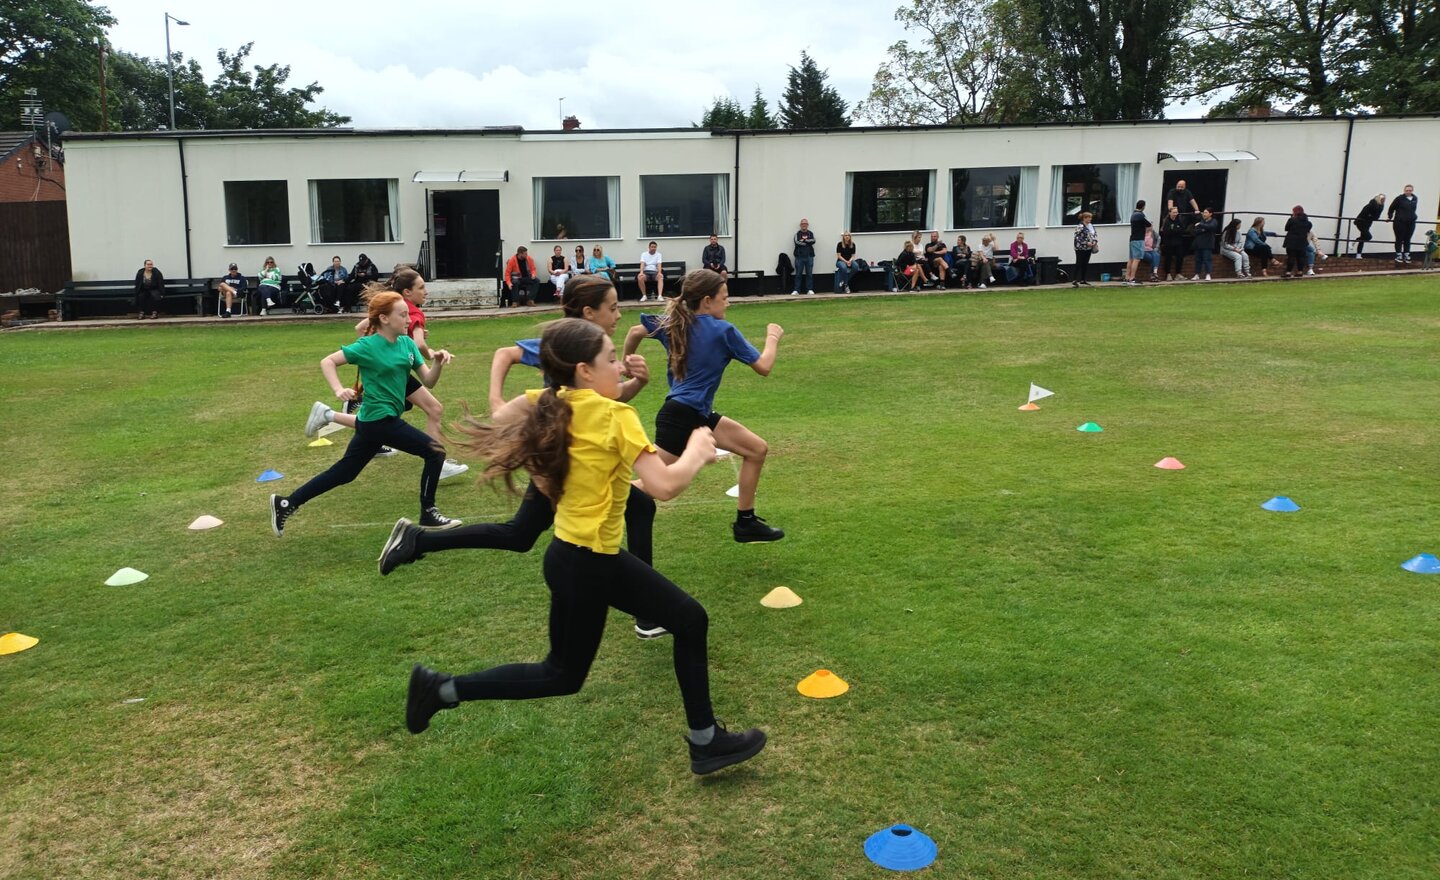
195,201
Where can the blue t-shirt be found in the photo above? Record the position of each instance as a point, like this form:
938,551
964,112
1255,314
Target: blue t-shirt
713,345
529,352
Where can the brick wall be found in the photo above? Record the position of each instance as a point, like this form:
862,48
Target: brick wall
23,178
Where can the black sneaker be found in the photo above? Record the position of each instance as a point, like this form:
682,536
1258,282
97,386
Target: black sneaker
645,629
753,529
423,699
399,548
386,452
280,511
725,749
432,518
352,406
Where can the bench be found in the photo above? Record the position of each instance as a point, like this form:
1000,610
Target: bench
674,271
75,293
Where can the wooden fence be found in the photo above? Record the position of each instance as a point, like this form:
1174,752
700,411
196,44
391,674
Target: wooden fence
34,246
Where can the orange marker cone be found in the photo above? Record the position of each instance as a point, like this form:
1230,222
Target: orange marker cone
822,684
1170,464
1029,407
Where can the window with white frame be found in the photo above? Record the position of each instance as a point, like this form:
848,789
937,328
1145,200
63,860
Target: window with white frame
992,198
684,205
355,210
257,212
890,201
577,207
1099,189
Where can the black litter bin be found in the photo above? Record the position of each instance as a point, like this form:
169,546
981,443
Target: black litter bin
1048,268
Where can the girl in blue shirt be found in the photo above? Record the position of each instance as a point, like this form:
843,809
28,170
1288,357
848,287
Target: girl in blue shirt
701,344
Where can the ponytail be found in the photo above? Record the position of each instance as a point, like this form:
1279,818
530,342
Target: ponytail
680,315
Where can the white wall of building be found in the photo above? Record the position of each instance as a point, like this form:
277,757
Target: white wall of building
125,201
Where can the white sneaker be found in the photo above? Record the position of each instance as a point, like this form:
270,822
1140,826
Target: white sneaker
809,293
320,416
452,468
269,303
1310,272
981,286
1207,277
264,312
794,293
1194,277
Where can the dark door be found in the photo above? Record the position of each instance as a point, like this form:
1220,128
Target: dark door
465,227
1208,185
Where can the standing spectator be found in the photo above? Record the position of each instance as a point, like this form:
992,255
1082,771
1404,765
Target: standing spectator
1368,215
1206,231
1138,223
1022,260
268,291
804,259
362,273
909,267
599,264
1152,252
1183,200
231,286
1087,242
579,267
1172,244
559,271
935,264
962,262
330,285
520,279
713,258
651,269
1232,248
1297,235
1258,248
149,290
846,263
1402,214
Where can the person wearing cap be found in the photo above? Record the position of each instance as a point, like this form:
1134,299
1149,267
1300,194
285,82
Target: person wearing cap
231,286
364,272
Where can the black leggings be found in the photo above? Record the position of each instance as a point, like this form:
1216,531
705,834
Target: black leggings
534,516
1082,265
1364,227
584,585
148,300
368,438
1295,259
1174,262
1404,231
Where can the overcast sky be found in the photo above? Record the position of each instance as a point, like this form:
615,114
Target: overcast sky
446,63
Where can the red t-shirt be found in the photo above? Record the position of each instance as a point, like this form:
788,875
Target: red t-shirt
417,319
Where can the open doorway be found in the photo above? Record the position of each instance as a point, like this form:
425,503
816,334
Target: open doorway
465,233
1208,186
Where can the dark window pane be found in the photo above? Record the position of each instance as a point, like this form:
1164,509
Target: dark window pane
354,210
889,201
257,212
985,198
682,204
1090,188
581,205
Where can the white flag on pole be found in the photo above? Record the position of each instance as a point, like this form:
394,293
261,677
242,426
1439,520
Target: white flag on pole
1038,393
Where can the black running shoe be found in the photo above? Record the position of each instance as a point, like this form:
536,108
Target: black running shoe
754,529
399,548
280,511
423,700
646,629
432,518
352,406
725,749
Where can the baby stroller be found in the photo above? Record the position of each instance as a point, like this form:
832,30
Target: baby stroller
302,291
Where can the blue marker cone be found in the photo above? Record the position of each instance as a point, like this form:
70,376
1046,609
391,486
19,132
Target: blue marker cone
1425,563
900,848
268,476
1281,504
1090,428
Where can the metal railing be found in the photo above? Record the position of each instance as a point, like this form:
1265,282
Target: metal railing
1335,240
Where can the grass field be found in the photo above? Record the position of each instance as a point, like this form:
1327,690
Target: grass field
1064,662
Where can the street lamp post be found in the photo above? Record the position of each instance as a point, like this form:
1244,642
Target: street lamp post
562,112
170,64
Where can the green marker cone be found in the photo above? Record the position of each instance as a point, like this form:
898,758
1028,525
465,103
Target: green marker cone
1090,428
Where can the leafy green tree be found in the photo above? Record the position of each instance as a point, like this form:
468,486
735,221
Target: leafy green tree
759,117
726,112
809,101
52,46
1403,42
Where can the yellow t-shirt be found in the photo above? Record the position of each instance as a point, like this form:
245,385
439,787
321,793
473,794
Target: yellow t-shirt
605,439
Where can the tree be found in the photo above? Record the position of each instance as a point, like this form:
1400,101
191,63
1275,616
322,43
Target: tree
726,112
1403,42
760,118
51,46
949,78
809,102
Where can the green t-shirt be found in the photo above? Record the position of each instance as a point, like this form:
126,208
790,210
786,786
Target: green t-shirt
384,367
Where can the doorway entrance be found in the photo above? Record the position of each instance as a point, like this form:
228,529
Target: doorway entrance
1208,185
465,233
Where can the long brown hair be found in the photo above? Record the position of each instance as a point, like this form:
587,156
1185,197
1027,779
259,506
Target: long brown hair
586,291
540,442
680,315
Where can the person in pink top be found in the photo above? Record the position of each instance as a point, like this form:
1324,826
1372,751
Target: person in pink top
1022,260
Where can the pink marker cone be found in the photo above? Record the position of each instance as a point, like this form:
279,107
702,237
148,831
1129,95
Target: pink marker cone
1170,464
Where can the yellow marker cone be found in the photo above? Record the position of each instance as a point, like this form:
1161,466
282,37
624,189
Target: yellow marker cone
822,684
781,597
14,643
207,521
321,441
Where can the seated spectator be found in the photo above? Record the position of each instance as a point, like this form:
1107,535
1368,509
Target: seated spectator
1232,248
651,271
599,264
1259,249
713,257
987,257
268,291
910,268
935,265
578,266
520,281
962,262
149,290
1151,251
1022,261
329,286
363,273
231,286
847,265
1312,250
559,271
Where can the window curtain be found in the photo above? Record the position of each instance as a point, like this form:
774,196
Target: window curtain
315,229
1025,199
721,226
392,224
612,196
1057,195
849,202
539,206
930,203
1127,188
